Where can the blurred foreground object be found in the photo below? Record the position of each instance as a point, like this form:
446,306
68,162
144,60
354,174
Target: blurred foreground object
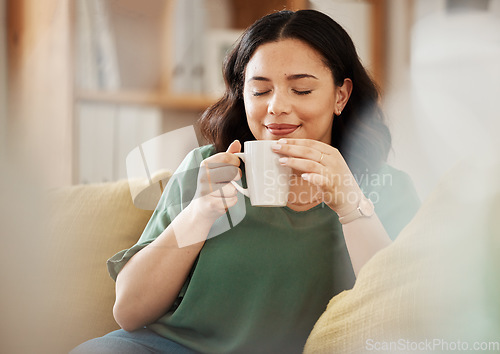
436,287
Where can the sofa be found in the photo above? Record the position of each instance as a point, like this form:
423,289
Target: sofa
438,280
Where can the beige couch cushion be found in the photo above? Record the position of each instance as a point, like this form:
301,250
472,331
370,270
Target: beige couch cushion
437,281
88,225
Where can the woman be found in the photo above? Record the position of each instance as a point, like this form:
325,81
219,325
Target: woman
261,284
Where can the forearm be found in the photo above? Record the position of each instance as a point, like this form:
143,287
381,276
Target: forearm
150,282
364,237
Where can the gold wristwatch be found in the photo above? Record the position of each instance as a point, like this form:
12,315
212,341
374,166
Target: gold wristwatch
365,209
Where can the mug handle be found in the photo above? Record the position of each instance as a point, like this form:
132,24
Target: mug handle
239,188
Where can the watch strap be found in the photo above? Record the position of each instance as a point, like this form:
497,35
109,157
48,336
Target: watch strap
353,215
365,208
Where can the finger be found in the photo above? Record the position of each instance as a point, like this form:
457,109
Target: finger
302,151
229,196
220,159
224,190
303,165
314,144
210,178
316,179
230,202
234,147
223,173
227,157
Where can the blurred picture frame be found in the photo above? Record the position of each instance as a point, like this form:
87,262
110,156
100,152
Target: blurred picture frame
218,44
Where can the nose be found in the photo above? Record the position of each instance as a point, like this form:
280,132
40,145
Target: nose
279,104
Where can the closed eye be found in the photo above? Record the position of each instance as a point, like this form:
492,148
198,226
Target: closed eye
306,92
256,93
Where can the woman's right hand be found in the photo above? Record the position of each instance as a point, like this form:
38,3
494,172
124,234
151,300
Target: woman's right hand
214,192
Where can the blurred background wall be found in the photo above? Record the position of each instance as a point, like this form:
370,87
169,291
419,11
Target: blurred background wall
90,80
441,91
3,78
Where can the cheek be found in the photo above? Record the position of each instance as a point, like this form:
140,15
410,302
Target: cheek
317,119
254,111
255,119
314,113
321,112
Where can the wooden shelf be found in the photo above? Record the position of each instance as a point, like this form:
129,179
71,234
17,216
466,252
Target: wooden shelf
182,102
189,102
138,24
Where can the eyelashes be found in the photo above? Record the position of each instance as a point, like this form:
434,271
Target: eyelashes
306,92
256,94
297,92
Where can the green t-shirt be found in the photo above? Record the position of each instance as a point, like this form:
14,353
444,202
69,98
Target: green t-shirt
265,275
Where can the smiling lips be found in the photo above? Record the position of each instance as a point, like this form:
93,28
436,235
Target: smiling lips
281,129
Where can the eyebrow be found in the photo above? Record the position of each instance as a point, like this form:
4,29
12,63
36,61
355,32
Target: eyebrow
290,77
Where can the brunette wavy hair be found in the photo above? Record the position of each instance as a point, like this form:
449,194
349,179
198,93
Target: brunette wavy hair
359,133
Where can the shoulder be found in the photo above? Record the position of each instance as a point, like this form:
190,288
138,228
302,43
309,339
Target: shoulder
181,186
399,175
201,152
195,157
386,178
206,151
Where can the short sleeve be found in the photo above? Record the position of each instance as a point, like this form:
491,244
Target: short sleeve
158,222
394,196
178,193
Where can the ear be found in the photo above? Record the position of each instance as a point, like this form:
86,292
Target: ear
343,94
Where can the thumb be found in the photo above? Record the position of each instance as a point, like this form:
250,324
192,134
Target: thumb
234,147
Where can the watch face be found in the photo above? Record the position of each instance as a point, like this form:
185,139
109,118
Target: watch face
366,207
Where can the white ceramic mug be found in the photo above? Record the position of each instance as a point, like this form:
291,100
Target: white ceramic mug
268,181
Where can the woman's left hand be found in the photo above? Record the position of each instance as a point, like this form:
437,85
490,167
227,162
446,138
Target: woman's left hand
322,165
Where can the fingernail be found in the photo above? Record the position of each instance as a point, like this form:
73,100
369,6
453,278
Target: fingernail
283,160
305,176
282,141
276,146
